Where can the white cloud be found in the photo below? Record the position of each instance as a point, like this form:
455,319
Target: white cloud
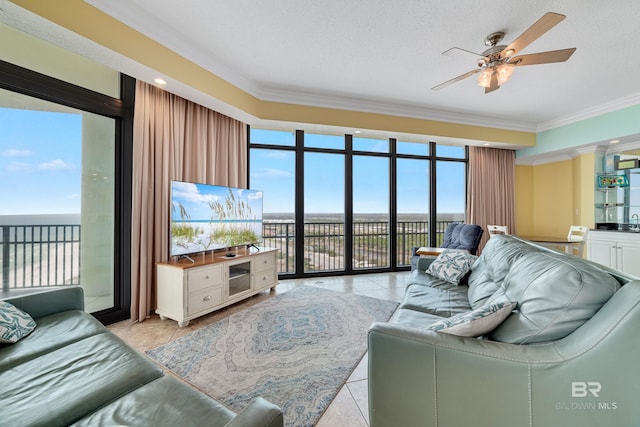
14,152
19,167
189,192
55,165
257,195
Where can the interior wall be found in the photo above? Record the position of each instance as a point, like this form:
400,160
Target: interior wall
22,49
524,201
551,197
583,190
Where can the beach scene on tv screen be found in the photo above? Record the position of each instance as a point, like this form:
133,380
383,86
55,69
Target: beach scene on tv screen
208,217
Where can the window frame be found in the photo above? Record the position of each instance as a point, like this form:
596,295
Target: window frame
37,85
300,149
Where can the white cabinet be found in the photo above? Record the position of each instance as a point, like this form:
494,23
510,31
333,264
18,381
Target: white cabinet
618,250
187,289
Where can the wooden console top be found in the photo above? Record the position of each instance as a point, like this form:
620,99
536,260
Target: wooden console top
208,258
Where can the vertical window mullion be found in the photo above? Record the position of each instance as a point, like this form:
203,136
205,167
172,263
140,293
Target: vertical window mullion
299,204
393,204
348,204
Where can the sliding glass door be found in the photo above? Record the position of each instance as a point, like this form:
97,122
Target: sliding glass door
57,215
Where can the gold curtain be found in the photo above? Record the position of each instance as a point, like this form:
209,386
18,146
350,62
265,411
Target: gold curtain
174,139
491,189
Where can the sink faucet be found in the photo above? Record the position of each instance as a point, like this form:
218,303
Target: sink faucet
636,224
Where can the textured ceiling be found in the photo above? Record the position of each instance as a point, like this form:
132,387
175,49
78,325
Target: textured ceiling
384,56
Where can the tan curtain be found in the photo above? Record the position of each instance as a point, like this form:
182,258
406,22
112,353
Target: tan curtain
491,189
174,139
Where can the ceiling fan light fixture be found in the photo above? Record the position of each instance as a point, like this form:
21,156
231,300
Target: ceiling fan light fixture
504,72
484,79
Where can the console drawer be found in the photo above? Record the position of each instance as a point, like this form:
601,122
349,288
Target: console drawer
263,279
204,299
204,277
264,262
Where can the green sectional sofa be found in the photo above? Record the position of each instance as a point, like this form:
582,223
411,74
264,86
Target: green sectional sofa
561,347
71,370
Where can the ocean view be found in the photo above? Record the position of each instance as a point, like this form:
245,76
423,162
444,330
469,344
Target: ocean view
45,219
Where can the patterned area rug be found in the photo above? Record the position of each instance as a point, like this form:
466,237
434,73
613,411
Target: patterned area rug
296,350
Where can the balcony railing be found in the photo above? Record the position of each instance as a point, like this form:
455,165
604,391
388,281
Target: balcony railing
49,255
40,255
324,243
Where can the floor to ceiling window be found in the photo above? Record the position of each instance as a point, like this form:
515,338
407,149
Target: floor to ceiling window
65,150
273,170
351,204
450,186
370,207
413,190
324,212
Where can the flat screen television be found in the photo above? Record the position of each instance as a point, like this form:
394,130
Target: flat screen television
208,217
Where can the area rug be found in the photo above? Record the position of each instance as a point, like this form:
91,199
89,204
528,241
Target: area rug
296,350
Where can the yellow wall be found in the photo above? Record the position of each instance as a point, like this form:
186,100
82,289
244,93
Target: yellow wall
553,196
583,192
524,201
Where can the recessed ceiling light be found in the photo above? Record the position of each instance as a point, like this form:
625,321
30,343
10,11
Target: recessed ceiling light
357,131
160,81
486,144
615,141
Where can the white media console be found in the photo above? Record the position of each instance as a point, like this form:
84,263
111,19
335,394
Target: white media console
190,288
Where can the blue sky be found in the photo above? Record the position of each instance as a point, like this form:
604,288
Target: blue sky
273,171
41,168
40,162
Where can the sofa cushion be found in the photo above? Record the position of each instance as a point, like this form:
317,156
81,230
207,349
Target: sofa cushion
556,294
413,318
66,384
178,401
53,332
15,324
451,265
443,299
476,322
492,266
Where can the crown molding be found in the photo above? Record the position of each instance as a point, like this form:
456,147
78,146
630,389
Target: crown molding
618,148
313,99
618,104
541,159
571,153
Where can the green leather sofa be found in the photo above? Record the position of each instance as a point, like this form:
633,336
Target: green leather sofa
567,356
71,370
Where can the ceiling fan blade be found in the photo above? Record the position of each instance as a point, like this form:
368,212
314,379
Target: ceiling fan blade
541,26
493,85
456,79
453,50
543,57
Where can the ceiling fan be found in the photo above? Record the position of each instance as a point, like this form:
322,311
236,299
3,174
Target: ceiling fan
495,64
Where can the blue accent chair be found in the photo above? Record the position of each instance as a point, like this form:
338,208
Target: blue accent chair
456,236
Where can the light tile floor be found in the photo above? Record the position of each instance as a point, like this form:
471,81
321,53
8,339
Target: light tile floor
350,406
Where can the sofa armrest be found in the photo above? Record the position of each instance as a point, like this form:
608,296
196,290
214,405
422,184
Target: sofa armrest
419,377
424,262
423,378
50,301
260,413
